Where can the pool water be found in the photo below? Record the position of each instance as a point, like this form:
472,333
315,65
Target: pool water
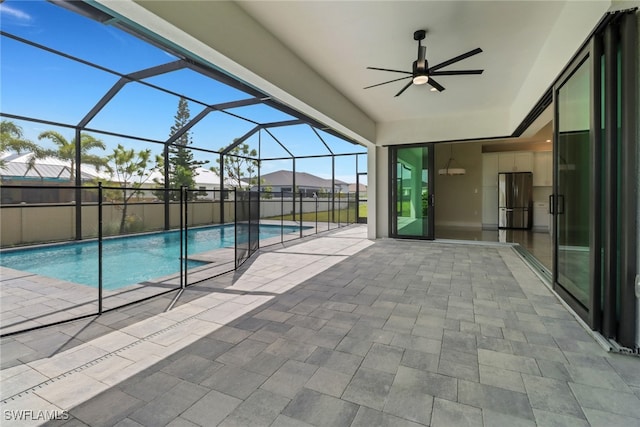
125,260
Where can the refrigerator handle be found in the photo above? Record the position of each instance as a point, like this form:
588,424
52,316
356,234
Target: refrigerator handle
551,203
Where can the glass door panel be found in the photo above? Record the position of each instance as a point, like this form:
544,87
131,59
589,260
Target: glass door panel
412,192
573,184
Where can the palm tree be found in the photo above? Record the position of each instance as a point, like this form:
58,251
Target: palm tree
12,139
66,150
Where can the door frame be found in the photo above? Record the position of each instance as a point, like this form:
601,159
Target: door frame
393,207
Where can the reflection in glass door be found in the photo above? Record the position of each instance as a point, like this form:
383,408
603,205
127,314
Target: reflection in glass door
412,191
572,204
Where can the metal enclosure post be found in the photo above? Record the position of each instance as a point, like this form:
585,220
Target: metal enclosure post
181,239
281,216
167,194
293,190
78,181
235,227
301,214
333,188
99,247
185,260
222,192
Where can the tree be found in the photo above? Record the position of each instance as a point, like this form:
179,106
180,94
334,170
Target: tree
182,165
12,139
66,150
265,190
238,165
131,170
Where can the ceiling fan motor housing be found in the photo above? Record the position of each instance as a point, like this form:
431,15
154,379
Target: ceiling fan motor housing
419,71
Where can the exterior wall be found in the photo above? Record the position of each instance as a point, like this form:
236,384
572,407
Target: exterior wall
27,225
276,207
22,225
373,208
381,191
40,224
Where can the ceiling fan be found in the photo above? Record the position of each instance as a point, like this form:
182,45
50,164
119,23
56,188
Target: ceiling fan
422,73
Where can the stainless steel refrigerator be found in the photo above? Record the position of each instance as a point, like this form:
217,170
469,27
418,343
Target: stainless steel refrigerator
515,200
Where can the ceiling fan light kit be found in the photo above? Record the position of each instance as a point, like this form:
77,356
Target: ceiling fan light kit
420,79
421,72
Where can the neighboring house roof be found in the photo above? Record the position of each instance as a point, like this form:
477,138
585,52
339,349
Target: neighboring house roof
16,166
352,188
282,178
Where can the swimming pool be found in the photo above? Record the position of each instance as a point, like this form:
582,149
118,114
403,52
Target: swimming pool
125,260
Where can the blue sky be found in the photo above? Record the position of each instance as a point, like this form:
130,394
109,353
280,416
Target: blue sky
40,84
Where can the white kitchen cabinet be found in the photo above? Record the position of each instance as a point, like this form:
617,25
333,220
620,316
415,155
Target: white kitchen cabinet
490,169
490,207
521,161
542,169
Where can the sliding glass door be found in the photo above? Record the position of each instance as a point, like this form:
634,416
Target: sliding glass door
594,202
573,193
412,191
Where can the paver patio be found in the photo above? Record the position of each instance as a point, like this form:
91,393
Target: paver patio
337,330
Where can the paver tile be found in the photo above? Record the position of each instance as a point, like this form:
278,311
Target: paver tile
211,409
320,409
494,398
447,413
369,388
613,401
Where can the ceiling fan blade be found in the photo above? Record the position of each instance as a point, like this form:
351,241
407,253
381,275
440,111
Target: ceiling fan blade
386,69
435,84
390,81
456,59
456,72
404,88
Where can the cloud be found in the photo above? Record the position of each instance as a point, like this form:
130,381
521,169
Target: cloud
15,13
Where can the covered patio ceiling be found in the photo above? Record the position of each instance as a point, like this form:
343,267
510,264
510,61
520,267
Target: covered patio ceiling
313,56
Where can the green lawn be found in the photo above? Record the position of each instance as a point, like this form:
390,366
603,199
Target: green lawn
325,216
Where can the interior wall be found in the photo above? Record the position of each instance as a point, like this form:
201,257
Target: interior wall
458,198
